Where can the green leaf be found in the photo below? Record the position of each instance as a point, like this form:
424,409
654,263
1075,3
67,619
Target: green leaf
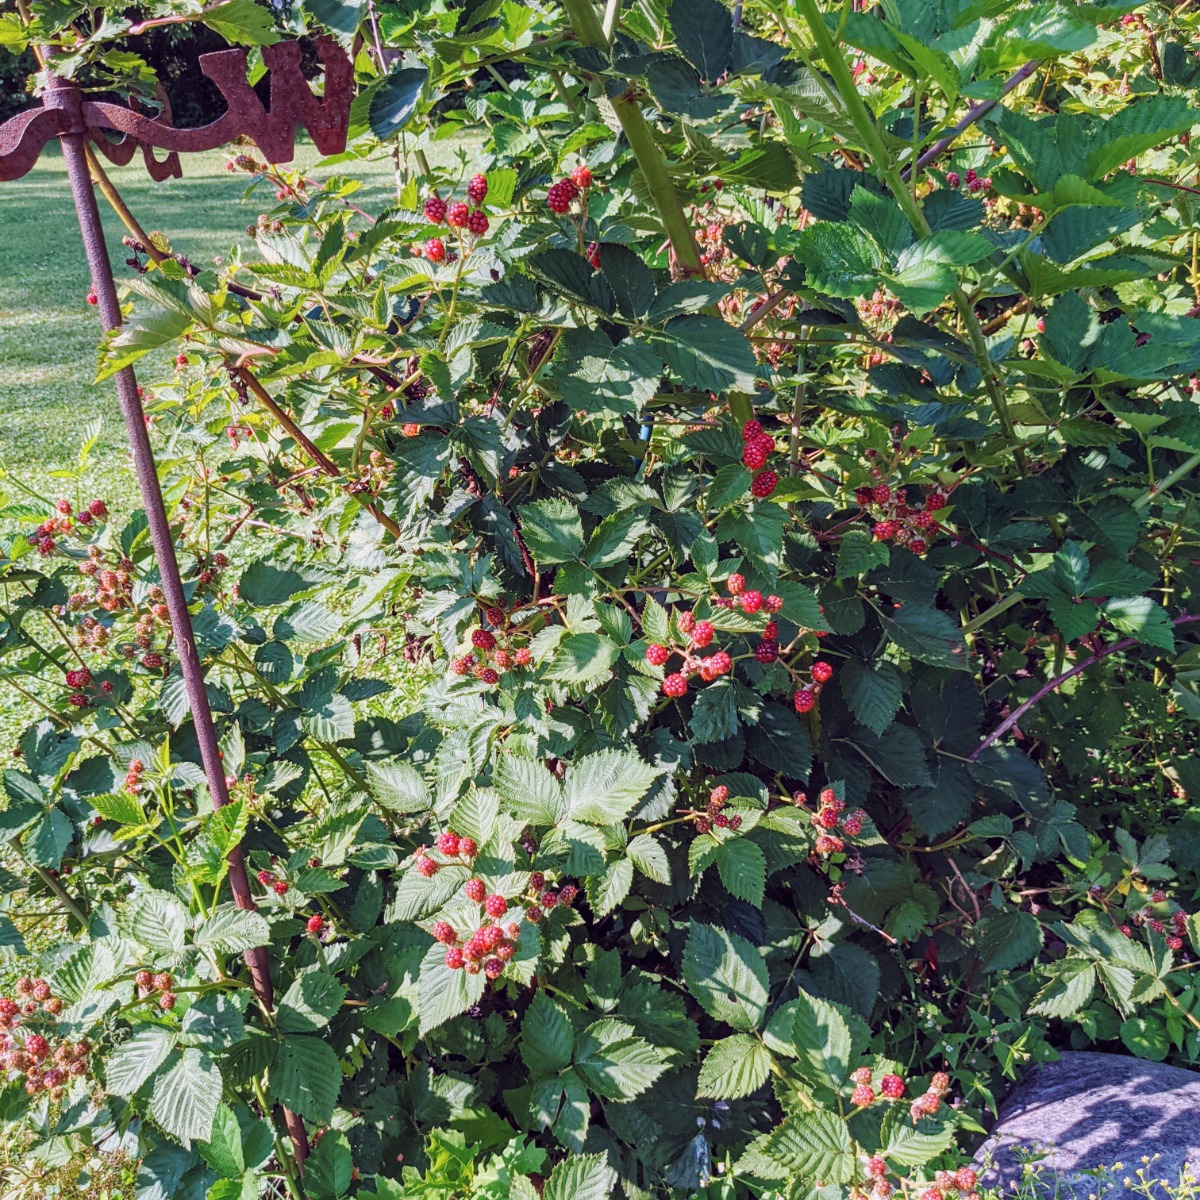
615,1063
529,790
736,1066
860,553
715,713
929,635
223,1149
729,485
631,280
811,1146
123,807
306,1076
582,658
873,692
214,1023
443,994
743,870
48,839
650,858
546,1036
185,1099
157,920
606,891
132,1062
581,1177
242,22
398,786
822,1040
1007,940
1136,127
727,975
329,1170
1070,986
231,931
603,788
313,999
704,34
265,585
137,338
707,354
394,101
1141,618
553,531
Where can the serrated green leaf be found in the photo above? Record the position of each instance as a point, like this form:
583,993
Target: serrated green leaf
736,1066
185,1097
743,870
132,1062
727,975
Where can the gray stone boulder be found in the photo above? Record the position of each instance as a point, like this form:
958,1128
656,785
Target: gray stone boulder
1092,1111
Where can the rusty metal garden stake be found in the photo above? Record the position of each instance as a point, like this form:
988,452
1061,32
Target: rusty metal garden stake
65,114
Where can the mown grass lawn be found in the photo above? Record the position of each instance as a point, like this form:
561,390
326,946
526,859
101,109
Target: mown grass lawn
49,334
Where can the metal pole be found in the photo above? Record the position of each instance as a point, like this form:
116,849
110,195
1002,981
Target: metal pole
75,157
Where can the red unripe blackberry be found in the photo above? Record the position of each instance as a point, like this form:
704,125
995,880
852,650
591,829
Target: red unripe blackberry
657,655
822,672
443,932
495,615
755,454
719,794
937,499
892,1086
456,215
721,821
876,1167
702,634
940,1083
475,889
462,666
548,899
483,640
533,914
773,604
863,497
1175,943
280,886
593,256
493,968
467,847
477,187
495,906
560,195
767,651
448,843
751,430
952,179
426,867
735,822
674,685
581,177
861,1075
41,990
454,958
505,951
92,298
828,844
488,676
63,506
477,222
918,545
77,700
36,1047
152,661
80,677
720,663
764,484
181,360
537,881
735,585
965,1179
852,823
881,493
435,210
751,602
862,1096
932,1194
1041,324
804,701
884,531
265,878
315,923
435,250
703,825
567,894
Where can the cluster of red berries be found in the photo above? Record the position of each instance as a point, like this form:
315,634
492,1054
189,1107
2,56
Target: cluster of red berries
973,181
78,679
831,815
560,195
757,449
64,521
490,658
713,816
931,1101
542,899
450,847
878,309
1175,930
805,699
891,1087
46,1067
895,521
149,984
133,777
456,215
711,241
315,924
277,884
113,589
963,1181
